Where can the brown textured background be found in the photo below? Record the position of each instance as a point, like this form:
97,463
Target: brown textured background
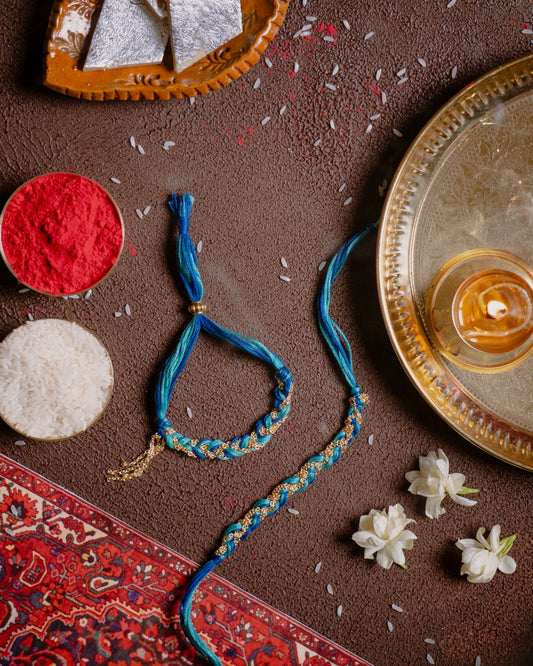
263,193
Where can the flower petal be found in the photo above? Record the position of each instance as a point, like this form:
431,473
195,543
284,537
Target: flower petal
433,507
507,565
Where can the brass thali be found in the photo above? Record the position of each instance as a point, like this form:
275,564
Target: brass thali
465,183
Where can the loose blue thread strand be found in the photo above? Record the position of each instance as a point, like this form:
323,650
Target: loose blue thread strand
340,348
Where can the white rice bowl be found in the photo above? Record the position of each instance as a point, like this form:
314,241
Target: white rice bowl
56,378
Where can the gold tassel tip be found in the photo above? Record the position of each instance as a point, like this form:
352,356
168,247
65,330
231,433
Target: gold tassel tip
135,468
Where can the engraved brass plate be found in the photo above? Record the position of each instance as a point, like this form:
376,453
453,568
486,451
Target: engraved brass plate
72,21
465,183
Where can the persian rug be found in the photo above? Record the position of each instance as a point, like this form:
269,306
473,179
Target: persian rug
79,587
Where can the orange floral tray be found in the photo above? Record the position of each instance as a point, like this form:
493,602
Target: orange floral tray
71,22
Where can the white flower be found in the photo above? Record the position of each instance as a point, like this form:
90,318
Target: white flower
434,480
383,534
482,558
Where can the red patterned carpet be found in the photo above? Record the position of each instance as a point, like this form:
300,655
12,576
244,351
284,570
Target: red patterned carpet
79,587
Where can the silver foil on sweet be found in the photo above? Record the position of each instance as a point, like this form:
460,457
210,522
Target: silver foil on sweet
198,27
128,33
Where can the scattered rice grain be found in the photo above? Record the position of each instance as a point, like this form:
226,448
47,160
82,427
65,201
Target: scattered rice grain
429,640
328,38
347,201
88,294
429,659
335,71
294,512
147,210
189,412
527,31
454,72
402,80
115,180
478,661
30,316
297,34
118,314
401,72
332,124
74,296
342,187
168,144
375,116
383,97
396,132
192,100
265,120
331,86
369,35
20,442
322,265
284,278
318,566
398,609
127,309
368,128
317,142
139,213
339,610
378,74
24,290
307,27
390,626
329,588
284,262
310,18
306,33
132,141
257,83
346,25
451,3
282,110
199,246
304,3
371,439
296,67
140,149
268,62
422,62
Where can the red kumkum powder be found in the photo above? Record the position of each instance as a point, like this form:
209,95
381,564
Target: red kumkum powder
61,233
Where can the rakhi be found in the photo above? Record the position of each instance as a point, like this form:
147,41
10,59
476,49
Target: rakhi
264,508
205,448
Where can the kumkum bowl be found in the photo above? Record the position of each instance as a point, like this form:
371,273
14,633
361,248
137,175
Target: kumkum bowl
71,23
43,182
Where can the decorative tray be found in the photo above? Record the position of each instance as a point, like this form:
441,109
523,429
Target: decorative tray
71,22
465,183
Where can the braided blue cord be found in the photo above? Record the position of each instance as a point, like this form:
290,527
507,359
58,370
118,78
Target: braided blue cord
340,348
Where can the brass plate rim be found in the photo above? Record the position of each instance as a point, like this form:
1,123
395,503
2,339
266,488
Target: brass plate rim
421,362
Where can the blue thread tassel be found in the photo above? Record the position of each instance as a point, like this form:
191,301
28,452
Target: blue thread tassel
340,348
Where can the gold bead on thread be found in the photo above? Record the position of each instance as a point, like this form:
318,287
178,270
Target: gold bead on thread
197,308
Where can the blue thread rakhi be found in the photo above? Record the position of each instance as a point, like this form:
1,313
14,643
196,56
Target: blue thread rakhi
209,448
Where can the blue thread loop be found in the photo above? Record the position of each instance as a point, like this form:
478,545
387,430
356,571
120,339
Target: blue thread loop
264,508
265,427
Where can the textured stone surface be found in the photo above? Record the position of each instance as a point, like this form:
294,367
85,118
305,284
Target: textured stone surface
264,191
